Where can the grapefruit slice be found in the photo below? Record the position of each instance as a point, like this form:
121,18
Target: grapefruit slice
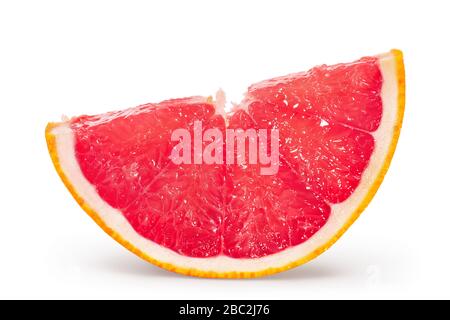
338,128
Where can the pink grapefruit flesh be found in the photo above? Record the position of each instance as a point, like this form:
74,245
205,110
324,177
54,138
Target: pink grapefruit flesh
338,125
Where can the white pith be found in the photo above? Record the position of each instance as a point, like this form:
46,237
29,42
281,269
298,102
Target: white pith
340,213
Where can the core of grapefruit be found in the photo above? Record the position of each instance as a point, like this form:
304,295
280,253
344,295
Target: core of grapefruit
338,128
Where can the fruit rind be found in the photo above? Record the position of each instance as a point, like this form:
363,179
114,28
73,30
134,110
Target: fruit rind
376,182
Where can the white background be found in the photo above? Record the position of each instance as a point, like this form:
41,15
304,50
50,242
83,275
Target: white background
61,57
